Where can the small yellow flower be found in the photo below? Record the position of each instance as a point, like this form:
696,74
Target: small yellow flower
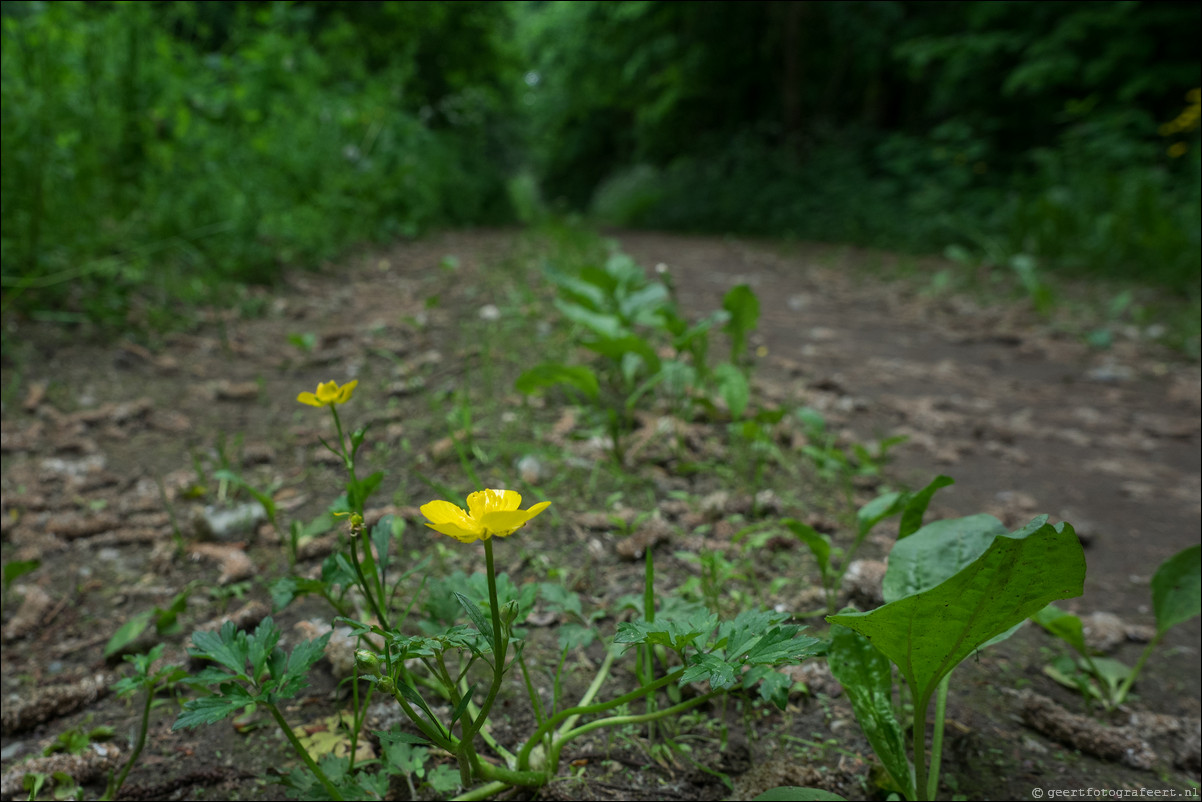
489,513
328,394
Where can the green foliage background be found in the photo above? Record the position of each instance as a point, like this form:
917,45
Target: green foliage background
1008,127
157,153
164,147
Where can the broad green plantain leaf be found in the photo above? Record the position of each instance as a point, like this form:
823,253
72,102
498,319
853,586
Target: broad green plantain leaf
930,633
916,507
878,510
18,568
744,308
549,374
1108,671
600,323
867,679
128,632
817,542
619,348
937,551
641,305
733,387
1065,626
1177,589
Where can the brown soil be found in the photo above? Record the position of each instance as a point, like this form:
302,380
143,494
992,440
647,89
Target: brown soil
1027,419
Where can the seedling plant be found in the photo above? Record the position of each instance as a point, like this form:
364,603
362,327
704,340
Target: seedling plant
1176,598
642,345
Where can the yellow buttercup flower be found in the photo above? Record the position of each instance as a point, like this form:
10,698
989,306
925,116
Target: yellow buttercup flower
489,513
328,394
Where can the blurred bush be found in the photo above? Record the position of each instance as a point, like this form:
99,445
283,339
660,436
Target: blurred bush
1058,131
154,152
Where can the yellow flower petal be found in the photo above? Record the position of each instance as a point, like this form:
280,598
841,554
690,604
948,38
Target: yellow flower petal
462,535
489,513
328,394
505,522
441,512
485,501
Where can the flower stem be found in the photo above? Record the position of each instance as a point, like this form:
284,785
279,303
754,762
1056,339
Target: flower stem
500,643
535,702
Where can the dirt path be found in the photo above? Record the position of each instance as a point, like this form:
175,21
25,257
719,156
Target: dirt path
1025,420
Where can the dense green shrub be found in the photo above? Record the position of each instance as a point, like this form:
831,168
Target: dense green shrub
1011,128
173,146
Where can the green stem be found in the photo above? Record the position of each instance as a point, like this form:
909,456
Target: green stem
937,736
369,559
440,736
591,692
494,744
473,714
921,703
483,792
360,715
648,650
616,721
500,643
583,710
115,787
363,584
331,789
1121,693
527,779
535,702
345,454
